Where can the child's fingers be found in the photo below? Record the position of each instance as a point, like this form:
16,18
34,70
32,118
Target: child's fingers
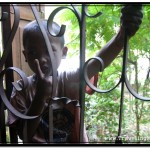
38,69
131,18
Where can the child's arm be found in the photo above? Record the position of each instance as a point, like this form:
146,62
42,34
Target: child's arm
131,19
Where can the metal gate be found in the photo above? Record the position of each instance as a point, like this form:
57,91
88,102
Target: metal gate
5,92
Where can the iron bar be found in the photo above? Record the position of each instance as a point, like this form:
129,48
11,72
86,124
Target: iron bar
82,61
4,97
125,54
25,132
2,123
83,68
54,71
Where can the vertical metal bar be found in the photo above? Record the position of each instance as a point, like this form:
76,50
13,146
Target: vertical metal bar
13,135
2,123
6,28
45,36
125,55
82,61
9,62
51,122
121,108
25,135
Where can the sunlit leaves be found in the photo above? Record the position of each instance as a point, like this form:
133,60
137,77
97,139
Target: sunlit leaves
102,110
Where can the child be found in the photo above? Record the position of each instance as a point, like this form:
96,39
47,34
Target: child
33,101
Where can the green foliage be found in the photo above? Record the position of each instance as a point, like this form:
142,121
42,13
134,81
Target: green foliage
141,41
102,110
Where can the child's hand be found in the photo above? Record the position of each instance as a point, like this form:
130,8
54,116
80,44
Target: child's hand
44,84
131,18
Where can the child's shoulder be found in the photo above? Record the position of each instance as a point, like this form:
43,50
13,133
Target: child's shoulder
30,80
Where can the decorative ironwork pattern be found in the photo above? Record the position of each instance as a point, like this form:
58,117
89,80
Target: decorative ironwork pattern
81,17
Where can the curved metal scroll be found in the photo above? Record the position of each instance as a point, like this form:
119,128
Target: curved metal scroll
49,48
91,16
2,61
54,71
50,21
4,97
101,69
63,27
134,93
123,81
83,65
81,20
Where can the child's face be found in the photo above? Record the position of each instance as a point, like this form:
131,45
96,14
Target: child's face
36,49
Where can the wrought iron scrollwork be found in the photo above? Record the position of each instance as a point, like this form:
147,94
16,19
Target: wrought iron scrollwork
123,81
81,21
91,16
21,73
4,97
81,17
123,77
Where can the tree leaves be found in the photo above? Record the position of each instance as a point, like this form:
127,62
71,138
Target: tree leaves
102,110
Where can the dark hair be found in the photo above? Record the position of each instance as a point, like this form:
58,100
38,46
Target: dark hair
34,27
